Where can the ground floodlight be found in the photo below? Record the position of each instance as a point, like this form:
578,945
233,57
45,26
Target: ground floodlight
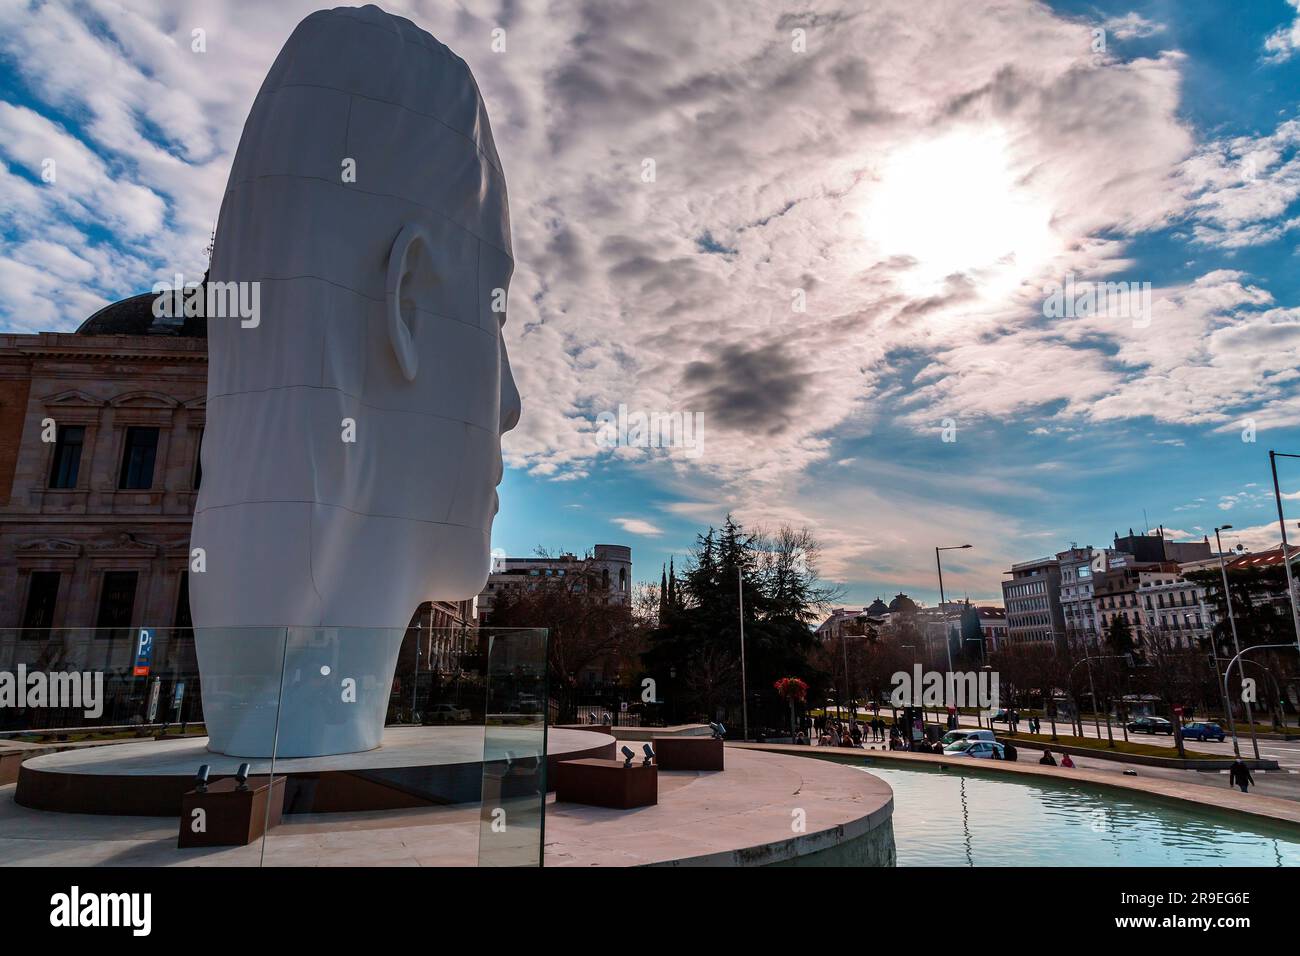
628,754
649,755
241,775
201,779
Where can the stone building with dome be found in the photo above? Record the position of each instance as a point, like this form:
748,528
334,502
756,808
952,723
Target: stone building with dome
99,470
100,431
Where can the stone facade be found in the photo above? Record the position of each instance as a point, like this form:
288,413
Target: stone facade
117,538
135,403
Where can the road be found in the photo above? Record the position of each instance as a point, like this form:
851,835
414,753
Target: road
1285,752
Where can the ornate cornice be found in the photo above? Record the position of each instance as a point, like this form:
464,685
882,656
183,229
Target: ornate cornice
61,546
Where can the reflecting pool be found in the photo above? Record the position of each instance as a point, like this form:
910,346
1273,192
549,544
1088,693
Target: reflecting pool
947,818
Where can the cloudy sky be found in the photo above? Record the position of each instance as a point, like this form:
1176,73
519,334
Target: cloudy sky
829,232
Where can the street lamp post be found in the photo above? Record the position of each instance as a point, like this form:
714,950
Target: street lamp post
939,565
1227,673
1273,456
1236,646
1277,688
744,697
415,684
912,648
848,688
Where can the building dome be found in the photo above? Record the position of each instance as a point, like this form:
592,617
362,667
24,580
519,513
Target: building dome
134,316
878,608
902,603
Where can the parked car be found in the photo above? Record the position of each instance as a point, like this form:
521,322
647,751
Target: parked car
955,736
999,716
1200,730
1150,725
977,749
446,714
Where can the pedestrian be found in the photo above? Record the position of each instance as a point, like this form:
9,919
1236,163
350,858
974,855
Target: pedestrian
1009,751
1240,776
1047,759
1066,761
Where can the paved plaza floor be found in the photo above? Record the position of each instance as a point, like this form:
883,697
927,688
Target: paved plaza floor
770,806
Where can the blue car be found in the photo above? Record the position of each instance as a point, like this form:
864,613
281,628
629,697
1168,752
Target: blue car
1198,730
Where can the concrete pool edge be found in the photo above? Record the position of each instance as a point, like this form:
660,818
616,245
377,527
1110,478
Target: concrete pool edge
1271,810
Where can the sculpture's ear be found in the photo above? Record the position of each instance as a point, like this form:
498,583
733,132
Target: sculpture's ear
401,332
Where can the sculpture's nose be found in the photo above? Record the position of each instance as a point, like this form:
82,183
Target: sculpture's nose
510,403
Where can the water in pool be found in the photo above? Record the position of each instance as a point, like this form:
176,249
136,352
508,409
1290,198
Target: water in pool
945,818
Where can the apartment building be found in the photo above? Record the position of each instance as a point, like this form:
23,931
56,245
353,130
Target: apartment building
1032,598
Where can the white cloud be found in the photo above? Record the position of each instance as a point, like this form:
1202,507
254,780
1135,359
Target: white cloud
1240,188
786,161
1132,26
1283,42
638,526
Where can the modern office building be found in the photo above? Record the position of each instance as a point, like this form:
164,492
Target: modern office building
1032,598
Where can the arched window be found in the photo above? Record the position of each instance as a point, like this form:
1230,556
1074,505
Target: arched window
622,579
604,578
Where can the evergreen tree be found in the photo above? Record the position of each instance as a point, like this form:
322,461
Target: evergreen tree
1119,635
699,641
663,593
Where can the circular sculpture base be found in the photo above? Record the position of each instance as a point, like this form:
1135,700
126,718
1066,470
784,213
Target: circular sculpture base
414,767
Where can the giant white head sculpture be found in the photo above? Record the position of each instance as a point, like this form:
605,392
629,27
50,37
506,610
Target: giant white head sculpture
353,439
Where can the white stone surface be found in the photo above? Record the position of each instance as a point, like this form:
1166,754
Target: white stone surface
376,306
739,817
403,747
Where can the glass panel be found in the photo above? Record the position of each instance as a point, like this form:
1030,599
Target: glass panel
103,734
381,743
513,813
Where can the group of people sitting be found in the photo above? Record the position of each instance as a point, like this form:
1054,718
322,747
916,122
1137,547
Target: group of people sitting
1050,761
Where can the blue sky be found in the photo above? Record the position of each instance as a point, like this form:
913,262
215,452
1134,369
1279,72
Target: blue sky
919,173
